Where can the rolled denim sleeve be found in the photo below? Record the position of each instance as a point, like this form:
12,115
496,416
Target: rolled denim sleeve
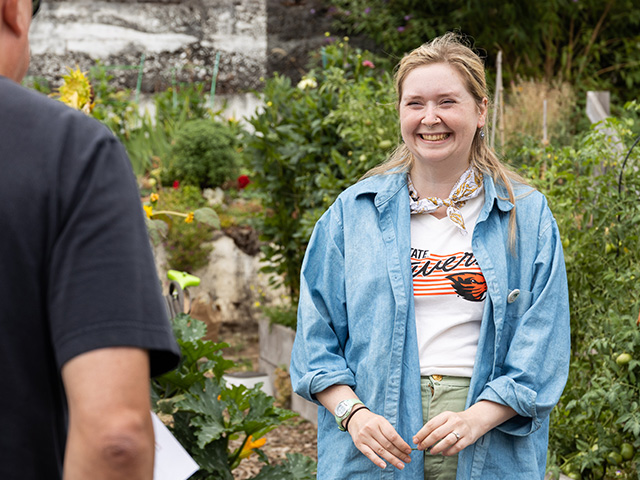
536,364
317,359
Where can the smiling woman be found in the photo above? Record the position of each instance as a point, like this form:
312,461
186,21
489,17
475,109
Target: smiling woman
451,331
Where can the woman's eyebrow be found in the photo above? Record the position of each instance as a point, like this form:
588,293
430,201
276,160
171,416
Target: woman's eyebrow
418,96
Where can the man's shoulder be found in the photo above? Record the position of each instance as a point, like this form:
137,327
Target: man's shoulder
46,116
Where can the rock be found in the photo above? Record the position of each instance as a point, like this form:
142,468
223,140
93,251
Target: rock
231,283
245,237
213,196
203,309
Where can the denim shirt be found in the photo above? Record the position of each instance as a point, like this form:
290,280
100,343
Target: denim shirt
356,326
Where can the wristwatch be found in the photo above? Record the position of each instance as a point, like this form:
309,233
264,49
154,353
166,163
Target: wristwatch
344,409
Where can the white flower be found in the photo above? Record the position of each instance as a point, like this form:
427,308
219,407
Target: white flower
307,83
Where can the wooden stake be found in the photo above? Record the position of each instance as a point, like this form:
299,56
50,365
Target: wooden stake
498,94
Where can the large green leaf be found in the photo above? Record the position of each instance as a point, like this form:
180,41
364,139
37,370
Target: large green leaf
295,467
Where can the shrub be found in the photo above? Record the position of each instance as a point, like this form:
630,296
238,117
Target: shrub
187,243
596,206
524,112
203,154
313,140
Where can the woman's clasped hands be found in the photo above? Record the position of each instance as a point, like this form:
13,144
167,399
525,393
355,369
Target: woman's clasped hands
447,433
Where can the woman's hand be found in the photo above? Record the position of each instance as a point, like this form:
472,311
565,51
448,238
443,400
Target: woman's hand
450,432
376,438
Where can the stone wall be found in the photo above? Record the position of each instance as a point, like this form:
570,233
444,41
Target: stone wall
179,39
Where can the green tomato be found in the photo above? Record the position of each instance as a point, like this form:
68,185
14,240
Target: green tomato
597,471
627,451
574,475
385,144
614,458
623,359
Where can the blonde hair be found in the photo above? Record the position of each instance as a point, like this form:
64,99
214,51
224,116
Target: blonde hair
452,49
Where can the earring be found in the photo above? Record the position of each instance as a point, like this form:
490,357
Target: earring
481,134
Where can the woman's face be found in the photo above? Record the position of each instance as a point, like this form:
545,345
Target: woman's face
439,117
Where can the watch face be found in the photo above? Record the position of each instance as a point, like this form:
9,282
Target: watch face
342,408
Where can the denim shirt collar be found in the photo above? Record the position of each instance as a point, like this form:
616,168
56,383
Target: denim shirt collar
385,187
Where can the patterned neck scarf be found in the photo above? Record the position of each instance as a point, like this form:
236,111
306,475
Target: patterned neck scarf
468,186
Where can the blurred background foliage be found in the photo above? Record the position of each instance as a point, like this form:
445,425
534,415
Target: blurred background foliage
592,44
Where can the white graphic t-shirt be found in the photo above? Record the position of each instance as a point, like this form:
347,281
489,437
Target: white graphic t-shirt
449,291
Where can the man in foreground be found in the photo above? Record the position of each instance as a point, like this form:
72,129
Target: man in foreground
82,322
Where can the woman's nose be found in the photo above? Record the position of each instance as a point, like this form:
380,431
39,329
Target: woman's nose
430,117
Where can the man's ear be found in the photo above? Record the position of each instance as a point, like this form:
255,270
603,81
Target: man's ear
11,16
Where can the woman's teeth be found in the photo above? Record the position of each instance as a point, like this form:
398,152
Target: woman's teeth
434,138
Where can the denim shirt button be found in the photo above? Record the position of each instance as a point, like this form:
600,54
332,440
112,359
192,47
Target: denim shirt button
513,295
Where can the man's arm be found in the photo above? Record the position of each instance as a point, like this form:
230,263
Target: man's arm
110,427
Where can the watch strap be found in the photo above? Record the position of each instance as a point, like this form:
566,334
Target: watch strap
346,424
349,404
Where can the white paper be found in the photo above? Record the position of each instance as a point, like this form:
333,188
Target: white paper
172,461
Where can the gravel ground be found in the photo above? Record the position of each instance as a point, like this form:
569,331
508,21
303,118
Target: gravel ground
296,436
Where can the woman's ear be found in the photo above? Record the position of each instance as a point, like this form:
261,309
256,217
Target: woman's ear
483,107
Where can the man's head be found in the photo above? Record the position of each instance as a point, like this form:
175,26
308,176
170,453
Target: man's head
15,19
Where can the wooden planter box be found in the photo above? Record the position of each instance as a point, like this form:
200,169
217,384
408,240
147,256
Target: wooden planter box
276,342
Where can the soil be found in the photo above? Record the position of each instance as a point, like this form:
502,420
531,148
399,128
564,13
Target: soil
295,435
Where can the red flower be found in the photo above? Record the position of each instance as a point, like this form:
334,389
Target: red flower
176,184
243,181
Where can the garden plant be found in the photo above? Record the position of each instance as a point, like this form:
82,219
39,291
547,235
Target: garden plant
205,414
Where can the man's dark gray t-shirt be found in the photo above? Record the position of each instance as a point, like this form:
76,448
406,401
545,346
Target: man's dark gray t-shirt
76,270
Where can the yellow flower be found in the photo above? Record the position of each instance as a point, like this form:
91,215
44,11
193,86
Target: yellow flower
189,218
76,91
154,197
248,448
148,209
256,304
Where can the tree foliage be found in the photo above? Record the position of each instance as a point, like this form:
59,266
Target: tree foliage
312,141
592,44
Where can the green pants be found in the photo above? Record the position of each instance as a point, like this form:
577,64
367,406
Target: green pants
440,394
